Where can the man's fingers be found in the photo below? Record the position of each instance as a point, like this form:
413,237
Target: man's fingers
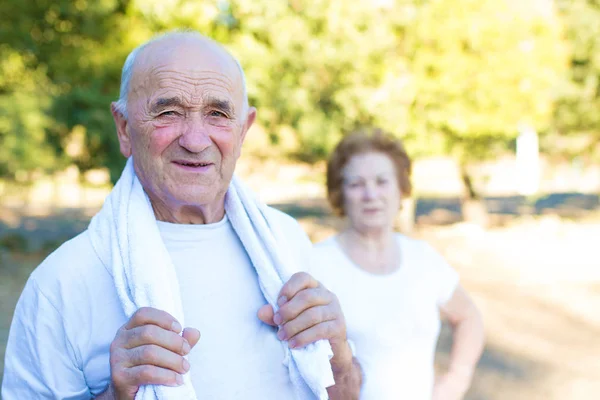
192,336
265,314
321,331
153,316
299,281
152,375
306,320
152,334
302,301
149,350
157,356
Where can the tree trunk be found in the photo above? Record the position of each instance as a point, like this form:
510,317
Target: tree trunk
473,208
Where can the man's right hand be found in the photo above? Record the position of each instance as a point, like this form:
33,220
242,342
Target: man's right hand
148,350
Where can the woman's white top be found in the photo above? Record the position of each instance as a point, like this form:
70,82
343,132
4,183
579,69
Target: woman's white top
393,319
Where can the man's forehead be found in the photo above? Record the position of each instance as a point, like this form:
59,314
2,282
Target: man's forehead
189,62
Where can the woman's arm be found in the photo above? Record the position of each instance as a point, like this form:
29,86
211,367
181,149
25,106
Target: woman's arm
467,345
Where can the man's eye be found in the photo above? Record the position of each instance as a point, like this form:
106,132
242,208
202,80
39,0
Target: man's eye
167,113
216,113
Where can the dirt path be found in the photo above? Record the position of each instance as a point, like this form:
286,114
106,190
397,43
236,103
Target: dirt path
537,282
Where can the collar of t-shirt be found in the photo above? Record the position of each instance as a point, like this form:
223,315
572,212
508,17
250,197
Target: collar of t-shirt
171,232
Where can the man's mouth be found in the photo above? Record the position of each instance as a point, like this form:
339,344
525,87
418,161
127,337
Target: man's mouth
190,164
193,166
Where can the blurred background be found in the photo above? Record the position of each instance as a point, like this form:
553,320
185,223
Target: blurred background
498,102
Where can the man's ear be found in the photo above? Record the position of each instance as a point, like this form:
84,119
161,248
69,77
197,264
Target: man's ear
249,121
122,133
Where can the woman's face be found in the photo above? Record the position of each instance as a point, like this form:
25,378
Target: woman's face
370,191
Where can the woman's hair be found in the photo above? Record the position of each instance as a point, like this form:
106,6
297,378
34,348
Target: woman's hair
361,142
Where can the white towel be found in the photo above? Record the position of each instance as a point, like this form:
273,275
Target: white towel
125,236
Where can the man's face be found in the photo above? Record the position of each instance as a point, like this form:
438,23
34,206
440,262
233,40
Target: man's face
185,128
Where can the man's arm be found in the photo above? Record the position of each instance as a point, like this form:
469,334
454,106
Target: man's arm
108,394
347,383
40,362
348,377
308,312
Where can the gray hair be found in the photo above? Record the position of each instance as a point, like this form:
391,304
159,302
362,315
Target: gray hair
121,104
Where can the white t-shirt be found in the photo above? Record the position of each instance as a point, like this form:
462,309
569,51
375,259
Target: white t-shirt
69,313
220,296
392,319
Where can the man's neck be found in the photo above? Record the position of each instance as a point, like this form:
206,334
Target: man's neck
186,214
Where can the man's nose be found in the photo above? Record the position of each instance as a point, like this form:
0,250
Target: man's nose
195,136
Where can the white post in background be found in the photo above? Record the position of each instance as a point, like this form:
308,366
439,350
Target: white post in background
528,162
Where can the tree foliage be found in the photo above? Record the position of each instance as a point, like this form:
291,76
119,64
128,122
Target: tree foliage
578,110
483,69
449,76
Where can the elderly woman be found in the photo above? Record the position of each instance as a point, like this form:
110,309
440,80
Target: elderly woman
392,288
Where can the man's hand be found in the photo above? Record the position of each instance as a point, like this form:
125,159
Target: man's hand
148,350
308,312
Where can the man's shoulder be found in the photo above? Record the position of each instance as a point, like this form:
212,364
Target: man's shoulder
73,261
327,243
290,235
278,215
284,221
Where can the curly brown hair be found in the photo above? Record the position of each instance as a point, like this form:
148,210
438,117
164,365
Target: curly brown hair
361,142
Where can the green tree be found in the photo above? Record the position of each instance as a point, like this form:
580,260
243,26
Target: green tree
69,72
453,76
577,117
25,101
316,69
481,70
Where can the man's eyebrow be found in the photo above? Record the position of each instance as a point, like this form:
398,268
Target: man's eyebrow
221,105
163,103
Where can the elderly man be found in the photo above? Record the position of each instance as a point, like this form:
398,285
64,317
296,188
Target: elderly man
181,120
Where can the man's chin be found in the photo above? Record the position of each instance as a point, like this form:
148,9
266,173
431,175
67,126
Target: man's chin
201,198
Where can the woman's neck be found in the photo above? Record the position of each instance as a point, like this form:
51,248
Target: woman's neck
375,251
369,240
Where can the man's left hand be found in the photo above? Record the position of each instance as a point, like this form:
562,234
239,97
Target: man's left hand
308,312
